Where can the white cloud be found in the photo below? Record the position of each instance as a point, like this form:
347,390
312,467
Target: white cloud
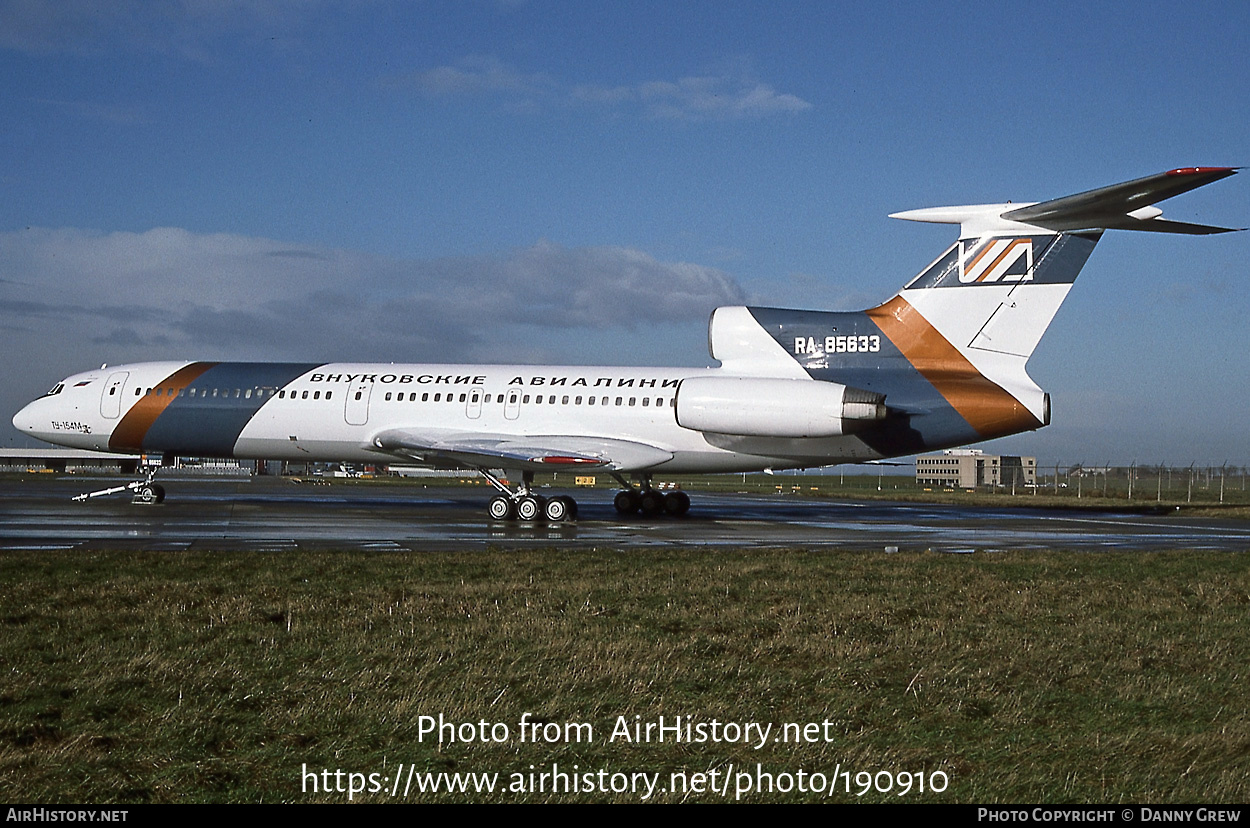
735,94
708,97
228,296
479,74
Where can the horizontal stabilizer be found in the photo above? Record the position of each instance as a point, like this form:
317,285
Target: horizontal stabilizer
1126,206
1114,207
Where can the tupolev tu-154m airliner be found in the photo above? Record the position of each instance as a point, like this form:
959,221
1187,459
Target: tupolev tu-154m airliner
940,364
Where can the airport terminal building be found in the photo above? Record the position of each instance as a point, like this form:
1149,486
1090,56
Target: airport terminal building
972,469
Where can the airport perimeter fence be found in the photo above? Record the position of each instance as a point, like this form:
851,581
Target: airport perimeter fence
1139,482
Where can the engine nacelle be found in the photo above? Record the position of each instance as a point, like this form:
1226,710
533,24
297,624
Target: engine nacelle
759,407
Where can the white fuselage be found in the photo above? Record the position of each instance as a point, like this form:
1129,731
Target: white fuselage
334,412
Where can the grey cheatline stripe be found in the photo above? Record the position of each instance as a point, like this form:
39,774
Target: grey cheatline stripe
132,429
204,425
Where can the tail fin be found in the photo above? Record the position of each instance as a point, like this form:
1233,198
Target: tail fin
948,353
976,314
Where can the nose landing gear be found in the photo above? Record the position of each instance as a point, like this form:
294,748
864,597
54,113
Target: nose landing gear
146,492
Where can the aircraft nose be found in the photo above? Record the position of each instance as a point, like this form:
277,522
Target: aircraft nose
23,421
29,421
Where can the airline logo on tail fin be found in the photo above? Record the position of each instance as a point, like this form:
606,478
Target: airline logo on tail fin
1009,260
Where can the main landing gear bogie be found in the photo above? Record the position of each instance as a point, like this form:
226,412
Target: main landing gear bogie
652,503
523,504
531,507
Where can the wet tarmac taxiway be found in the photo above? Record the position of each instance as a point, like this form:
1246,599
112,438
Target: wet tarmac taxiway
271,514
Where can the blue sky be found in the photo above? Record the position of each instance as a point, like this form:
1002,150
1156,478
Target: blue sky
582,182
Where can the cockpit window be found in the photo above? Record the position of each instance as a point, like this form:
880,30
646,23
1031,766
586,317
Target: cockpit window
56,389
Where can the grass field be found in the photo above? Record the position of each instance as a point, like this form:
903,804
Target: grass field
1011,677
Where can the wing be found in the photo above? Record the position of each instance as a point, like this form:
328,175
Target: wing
532,453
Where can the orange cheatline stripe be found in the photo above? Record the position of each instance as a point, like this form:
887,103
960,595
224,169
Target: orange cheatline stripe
986,406
134,426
